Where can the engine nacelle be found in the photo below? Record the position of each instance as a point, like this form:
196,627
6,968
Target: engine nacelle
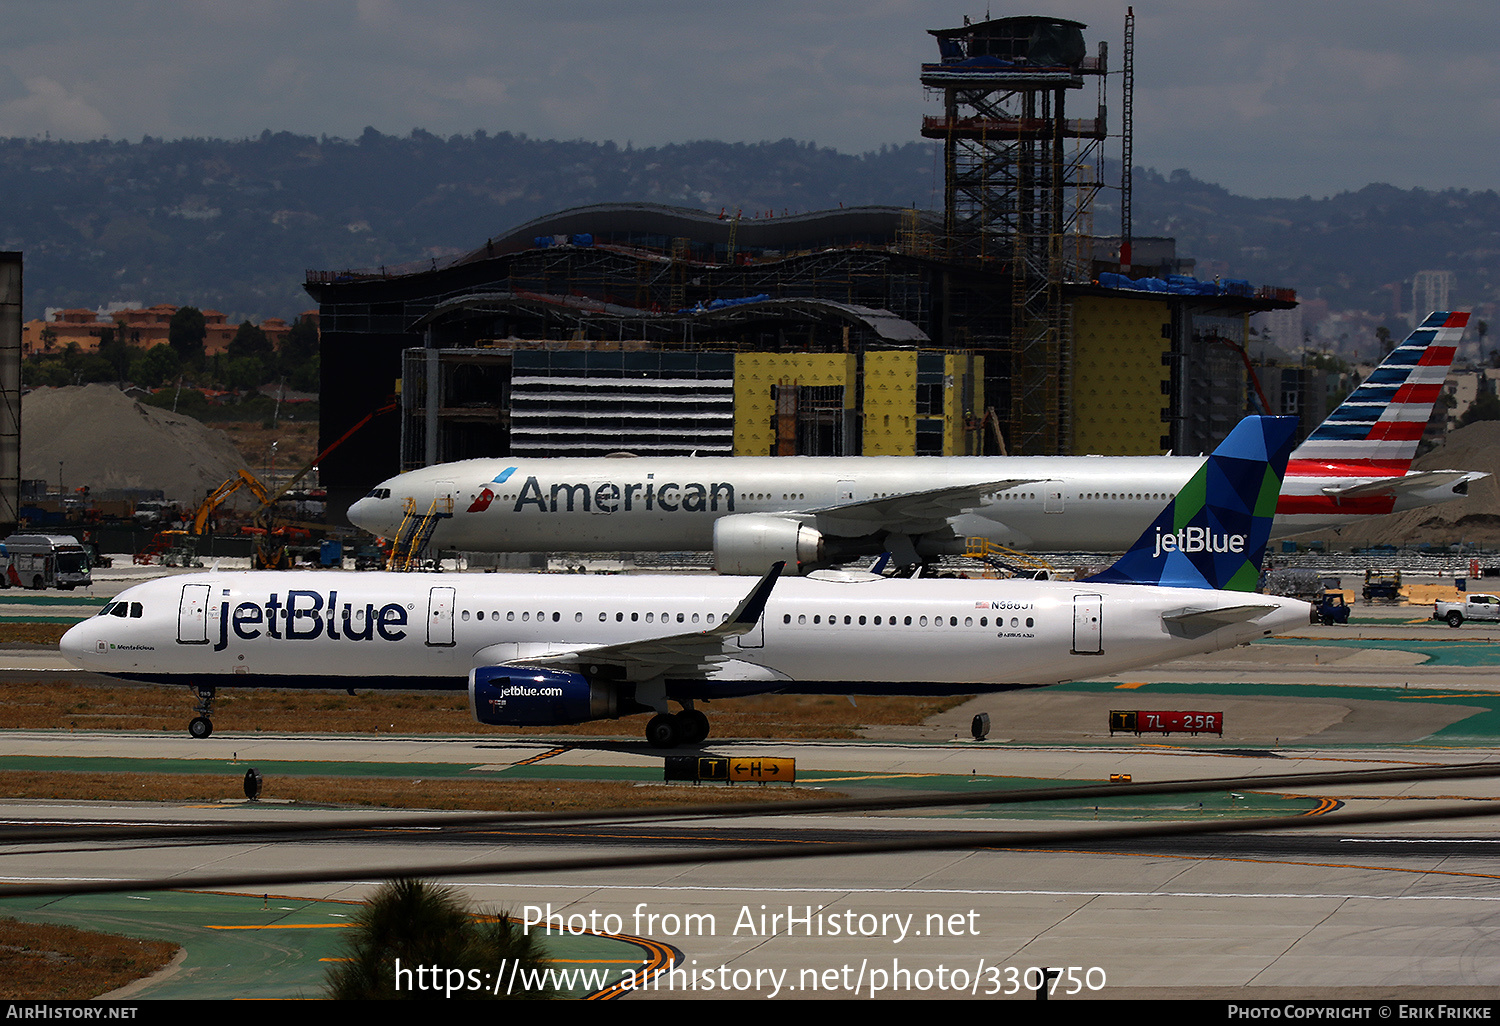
521,696
748,543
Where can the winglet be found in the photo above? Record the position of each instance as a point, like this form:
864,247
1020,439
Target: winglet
754,604
1214,533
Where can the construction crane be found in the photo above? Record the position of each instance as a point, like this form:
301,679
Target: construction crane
270,534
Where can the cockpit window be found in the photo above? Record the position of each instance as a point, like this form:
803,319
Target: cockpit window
133,610
379,493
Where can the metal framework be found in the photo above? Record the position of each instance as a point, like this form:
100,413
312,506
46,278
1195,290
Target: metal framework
1012,161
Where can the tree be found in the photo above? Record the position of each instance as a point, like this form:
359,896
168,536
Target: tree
1485,407
417,923
155,366
185,334
115,347
249,340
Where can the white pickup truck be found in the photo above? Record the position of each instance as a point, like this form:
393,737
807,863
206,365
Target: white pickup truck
1474,607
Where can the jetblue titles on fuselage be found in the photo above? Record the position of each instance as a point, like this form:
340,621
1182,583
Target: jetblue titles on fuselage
300,617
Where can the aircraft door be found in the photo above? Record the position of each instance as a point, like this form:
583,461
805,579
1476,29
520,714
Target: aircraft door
444,495
1088,624
440,617
1052,499
192,615
846,491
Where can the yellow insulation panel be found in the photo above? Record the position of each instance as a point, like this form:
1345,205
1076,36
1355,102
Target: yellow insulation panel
1118,375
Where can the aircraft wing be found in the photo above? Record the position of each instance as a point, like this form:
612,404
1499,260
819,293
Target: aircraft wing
1398,485
911,512
1194,623
673,653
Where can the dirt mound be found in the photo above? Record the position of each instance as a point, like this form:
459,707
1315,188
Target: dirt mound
105,440
1474,518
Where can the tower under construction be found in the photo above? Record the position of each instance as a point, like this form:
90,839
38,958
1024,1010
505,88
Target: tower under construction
1018,187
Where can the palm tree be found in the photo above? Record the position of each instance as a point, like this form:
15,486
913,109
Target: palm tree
411,925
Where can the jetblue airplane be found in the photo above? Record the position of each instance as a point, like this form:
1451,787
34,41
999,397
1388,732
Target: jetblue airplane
538,649
816,512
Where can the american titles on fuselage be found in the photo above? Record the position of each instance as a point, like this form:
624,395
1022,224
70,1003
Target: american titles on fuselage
611,497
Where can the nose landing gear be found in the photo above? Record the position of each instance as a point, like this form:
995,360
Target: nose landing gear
201,726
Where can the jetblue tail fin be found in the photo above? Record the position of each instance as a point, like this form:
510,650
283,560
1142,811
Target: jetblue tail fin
1374,432
1214,533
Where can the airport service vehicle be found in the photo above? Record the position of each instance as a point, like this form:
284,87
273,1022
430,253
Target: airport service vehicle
1382,585
1473,607
45,561
1331,608
814,512
553,649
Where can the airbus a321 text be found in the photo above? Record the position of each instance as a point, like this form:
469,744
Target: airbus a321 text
816,512
557,649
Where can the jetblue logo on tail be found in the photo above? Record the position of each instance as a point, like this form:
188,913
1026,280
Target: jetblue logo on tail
1214,533
1198,539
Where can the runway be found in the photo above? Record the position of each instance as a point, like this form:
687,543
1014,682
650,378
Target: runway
1334,913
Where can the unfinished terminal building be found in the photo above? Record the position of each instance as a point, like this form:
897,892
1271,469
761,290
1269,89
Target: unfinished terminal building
999,324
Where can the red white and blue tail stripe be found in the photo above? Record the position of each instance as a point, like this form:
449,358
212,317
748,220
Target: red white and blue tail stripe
1374,432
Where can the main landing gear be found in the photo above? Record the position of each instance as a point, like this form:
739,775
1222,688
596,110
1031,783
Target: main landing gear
666,730
201,725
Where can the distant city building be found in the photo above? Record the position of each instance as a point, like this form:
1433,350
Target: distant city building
144,327
1429,292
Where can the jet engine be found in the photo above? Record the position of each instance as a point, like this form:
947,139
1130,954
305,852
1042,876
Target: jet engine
748,543
523,696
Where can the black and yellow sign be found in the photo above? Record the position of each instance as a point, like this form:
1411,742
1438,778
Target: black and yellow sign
762,771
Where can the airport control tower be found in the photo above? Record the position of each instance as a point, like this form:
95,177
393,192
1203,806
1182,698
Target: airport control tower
1018,187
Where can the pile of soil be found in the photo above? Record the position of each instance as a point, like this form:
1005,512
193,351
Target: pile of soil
104,439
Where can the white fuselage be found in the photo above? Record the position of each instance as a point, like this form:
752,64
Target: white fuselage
611,504
896,636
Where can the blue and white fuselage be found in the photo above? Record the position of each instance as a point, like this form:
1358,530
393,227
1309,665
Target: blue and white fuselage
877,636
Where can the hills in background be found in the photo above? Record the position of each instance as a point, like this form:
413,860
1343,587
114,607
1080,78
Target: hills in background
233,225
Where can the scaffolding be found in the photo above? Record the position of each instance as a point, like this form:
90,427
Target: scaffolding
1012,160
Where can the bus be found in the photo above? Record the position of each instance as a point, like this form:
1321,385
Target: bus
44,561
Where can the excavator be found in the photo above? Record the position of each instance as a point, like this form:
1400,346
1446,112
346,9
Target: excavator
271,535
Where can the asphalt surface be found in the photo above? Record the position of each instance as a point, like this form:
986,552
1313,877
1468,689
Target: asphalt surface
1330,910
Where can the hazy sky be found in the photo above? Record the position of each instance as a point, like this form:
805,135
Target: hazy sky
1265,97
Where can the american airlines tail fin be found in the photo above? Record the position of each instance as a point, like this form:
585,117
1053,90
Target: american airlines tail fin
1214,533
1374,432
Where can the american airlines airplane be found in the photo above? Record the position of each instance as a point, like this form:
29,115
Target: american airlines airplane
816,512
538,649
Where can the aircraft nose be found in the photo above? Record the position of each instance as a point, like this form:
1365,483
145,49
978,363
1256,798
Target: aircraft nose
370,514
78,643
